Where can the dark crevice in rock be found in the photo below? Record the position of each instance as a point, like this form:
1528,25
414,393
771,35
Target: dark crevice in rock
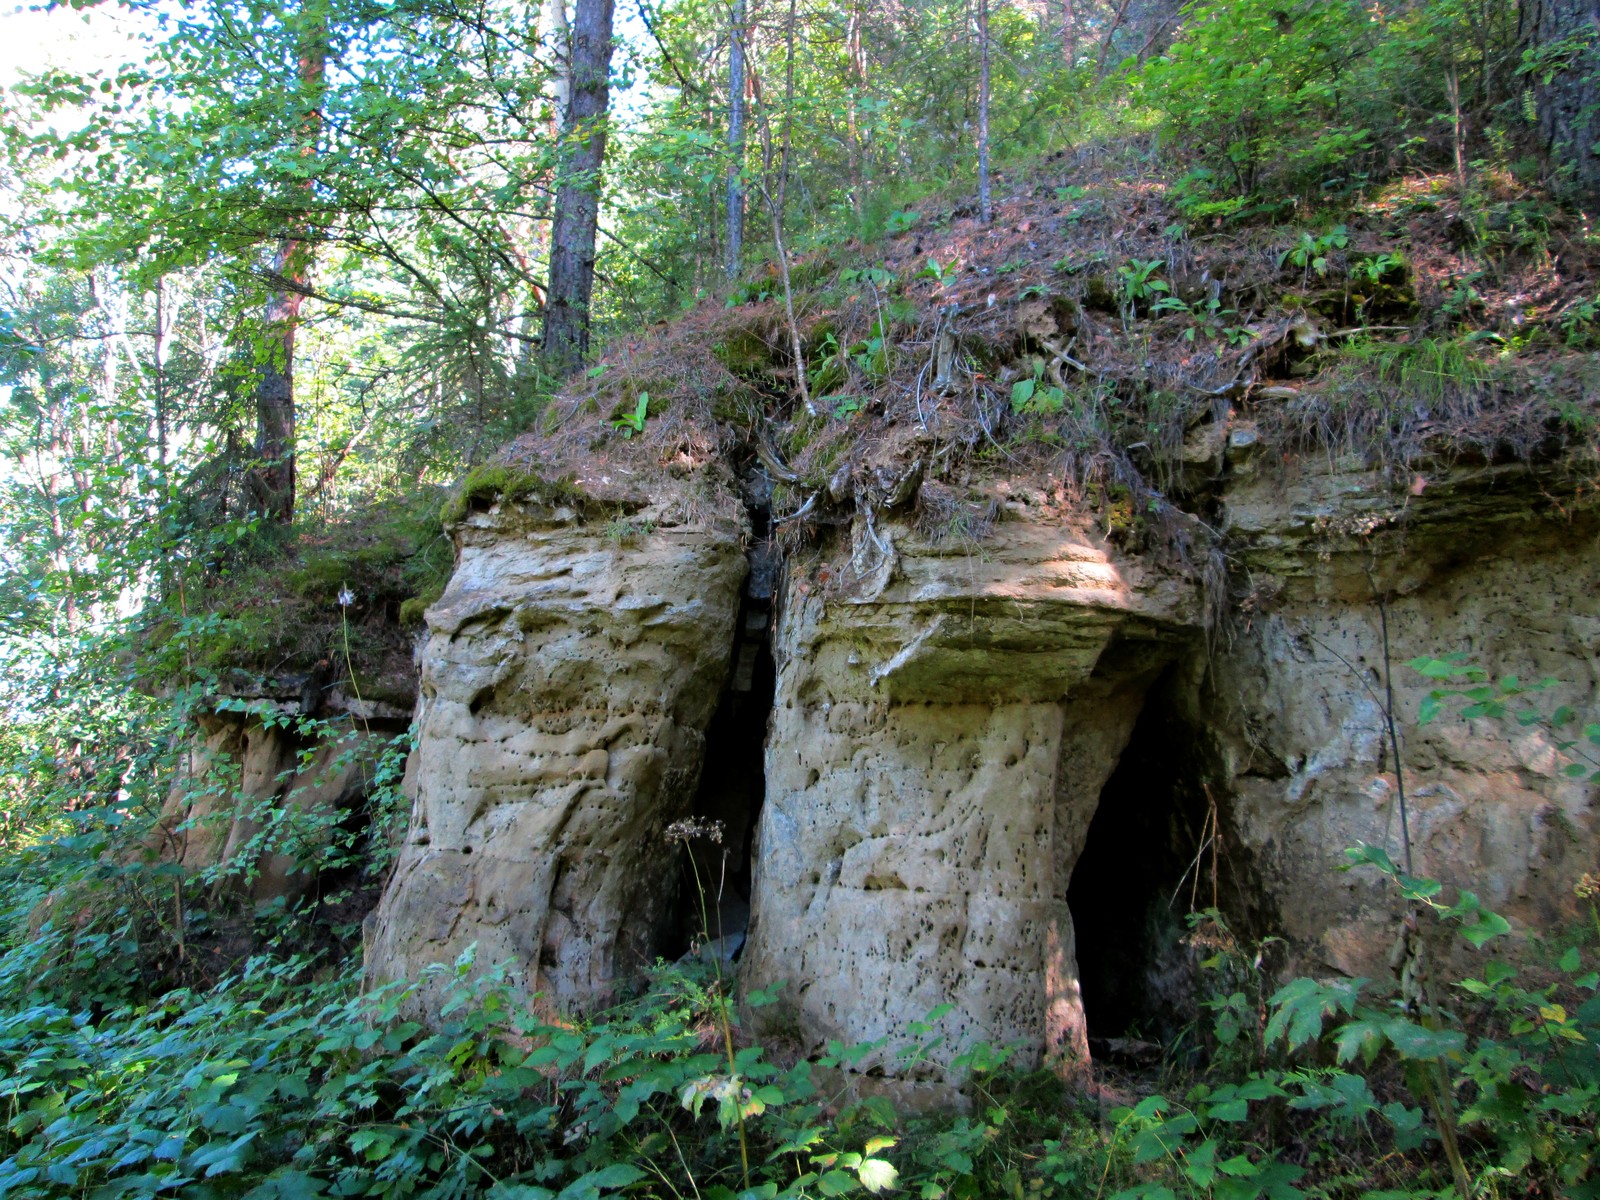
733,776
1161,847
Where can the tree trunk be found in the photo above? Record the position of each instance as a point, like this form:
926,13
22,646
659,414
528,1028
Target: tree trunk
272,482
736,52
577,214
857,60
1561,41
555,38
985,205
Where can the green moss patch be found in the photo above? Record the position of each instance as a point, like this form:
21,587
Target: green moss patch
486,485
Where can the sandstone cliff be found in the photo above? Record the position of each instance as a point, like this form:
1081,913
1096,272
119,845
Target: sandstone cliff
996,773
1060,617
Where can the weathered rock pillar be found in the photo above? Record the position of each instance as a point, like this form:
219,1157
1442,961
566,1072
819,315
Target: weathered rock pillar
937,750
570,670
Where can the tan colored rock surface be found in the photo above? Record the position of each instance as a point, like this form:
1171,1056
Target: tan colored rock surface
938,745
567,679
946,721
1482,563
256,799
945,725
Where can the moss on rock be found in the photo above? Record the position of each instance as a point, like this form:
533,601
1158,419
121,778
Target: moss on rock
485,485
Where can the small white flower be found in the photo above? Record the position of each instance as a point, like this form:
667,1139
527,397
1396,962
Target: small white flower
346,597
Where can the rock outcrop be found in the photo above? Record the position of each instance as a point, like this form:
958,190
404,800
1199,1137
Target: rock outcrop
940,747
940,737
569,673
265,782
1496,564
996,770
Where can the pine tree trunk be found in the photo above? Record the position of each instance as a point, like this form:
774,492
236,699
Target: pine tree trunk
1563,37
985,204
272,484
736,52
577,215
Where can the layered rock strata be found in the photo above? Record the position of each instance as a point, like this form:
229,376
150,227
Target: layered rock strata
946,721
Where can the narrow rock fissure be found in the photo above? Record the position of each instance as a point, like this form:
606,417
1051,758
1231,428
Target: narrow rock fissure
733,775
1160,847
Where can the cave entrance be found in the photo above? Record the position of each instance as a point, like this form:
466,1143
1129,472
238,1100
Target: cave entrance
733,774
1158,849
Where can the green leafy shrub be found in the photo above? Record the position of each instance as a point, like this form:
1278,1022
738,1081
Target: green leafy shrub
1260,89
274,1084
1509,1099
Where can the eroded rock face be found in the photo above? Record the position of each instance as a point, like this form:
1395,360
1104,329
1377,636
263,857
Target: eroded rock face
946,726
939,740
950,720
1482,563
257,799
568,676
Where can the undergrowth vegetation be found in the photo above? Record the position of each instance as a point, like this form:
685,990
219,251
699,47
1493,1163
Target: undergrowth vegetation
282,1079
128,1067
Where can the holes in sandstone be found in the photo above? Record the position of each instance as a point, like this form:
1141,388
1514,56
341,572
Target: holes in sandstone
1158,849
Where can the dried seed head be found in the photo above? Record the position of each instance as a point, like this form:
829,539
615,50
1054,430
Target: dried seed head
693,828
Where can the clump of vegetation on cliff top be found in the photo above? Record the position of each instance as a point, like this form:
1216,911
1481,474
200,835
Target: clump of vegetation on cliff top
494,482
274,596
1097,329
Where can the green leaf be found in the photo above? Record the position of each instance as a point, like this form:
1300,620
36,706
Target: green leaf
1200,1163
1364,1037
877,1174
1259,1089
607,1178
836,1183
1419,1042
1150,1106
1483,927
615,1175
1363,855
1232,1110
224,1159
